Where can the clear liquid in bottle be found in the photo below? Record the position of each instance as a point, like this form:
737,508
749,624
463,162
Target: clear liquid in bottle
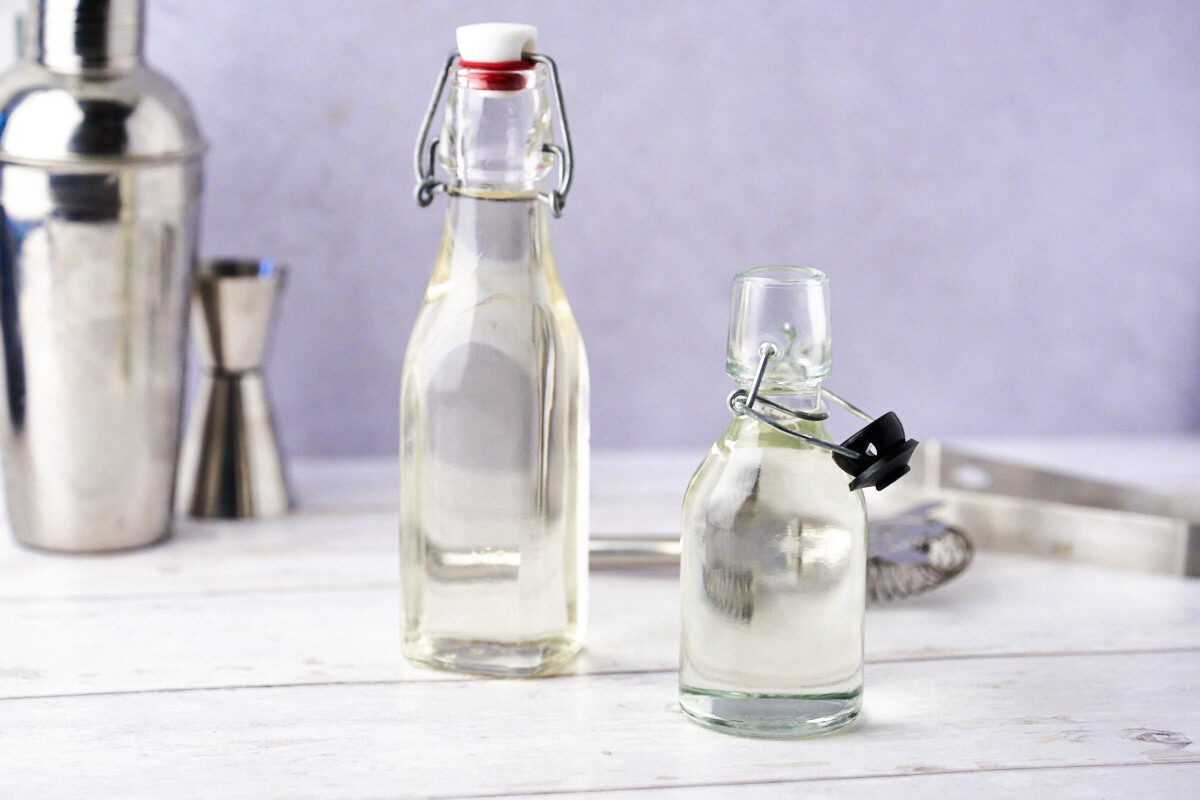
773,591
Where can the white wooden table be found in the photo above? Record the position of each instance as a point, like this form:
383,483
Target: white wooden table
259,660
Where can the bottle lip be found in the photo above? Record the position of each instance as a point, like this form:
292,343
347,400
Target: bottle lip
786,307
780,275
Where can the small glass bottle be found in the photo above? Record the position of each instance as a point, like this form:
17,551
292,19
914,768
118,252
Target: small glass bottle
494,390
773,563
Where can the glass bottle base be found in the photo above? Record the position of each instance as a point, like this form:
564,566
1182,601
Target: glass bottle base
495,659
770,716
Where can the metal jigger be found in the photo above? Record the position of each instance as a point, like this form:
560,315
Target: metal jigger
230,466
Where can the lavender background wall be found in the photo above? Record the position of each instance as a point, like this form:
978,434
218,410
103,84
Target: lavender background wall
1006,197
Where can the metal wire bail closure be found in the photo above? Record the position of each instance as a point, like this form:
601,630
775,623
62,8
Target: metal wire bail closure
876,455
425,157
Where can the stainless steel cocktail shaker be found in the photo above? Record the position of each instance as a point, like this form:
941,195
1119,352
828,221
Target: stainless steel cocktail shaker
99,198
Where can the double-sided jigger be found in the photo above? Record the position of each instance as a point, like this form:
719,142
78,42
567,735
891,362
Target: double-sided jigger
231,467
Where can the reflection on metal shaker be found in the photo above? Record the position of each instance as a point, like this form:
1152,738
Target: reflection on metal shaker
99,204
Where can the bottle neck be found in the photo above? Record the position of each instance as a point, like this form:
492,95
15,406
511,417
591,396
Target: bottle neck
484,237
798,396
802,397
492,139
88,36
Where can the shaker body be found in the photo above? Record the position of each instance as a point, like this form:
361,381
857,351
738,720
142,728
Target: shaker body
100,160
95,271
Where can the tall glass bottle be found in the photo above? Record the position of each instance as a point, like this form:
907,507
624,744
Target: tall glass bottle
494,392
774,541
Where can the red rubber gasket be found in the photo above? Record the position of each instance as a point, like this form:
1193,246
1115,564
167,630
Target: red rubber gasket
502,76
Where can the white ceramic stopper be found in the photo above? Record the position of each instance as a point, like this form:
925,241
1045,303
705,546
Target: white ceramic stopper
496,42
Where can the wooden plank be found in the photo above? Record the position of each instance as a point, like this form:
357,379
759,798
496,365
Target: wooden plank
135,644
584,733
346,531
1004,605
302,551
1096,783
310,604
1011,604
372,484
633,492
306,550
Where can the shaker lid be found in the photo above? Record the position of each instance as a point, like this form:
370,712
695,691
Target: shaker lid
51,119
495,42
83,96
